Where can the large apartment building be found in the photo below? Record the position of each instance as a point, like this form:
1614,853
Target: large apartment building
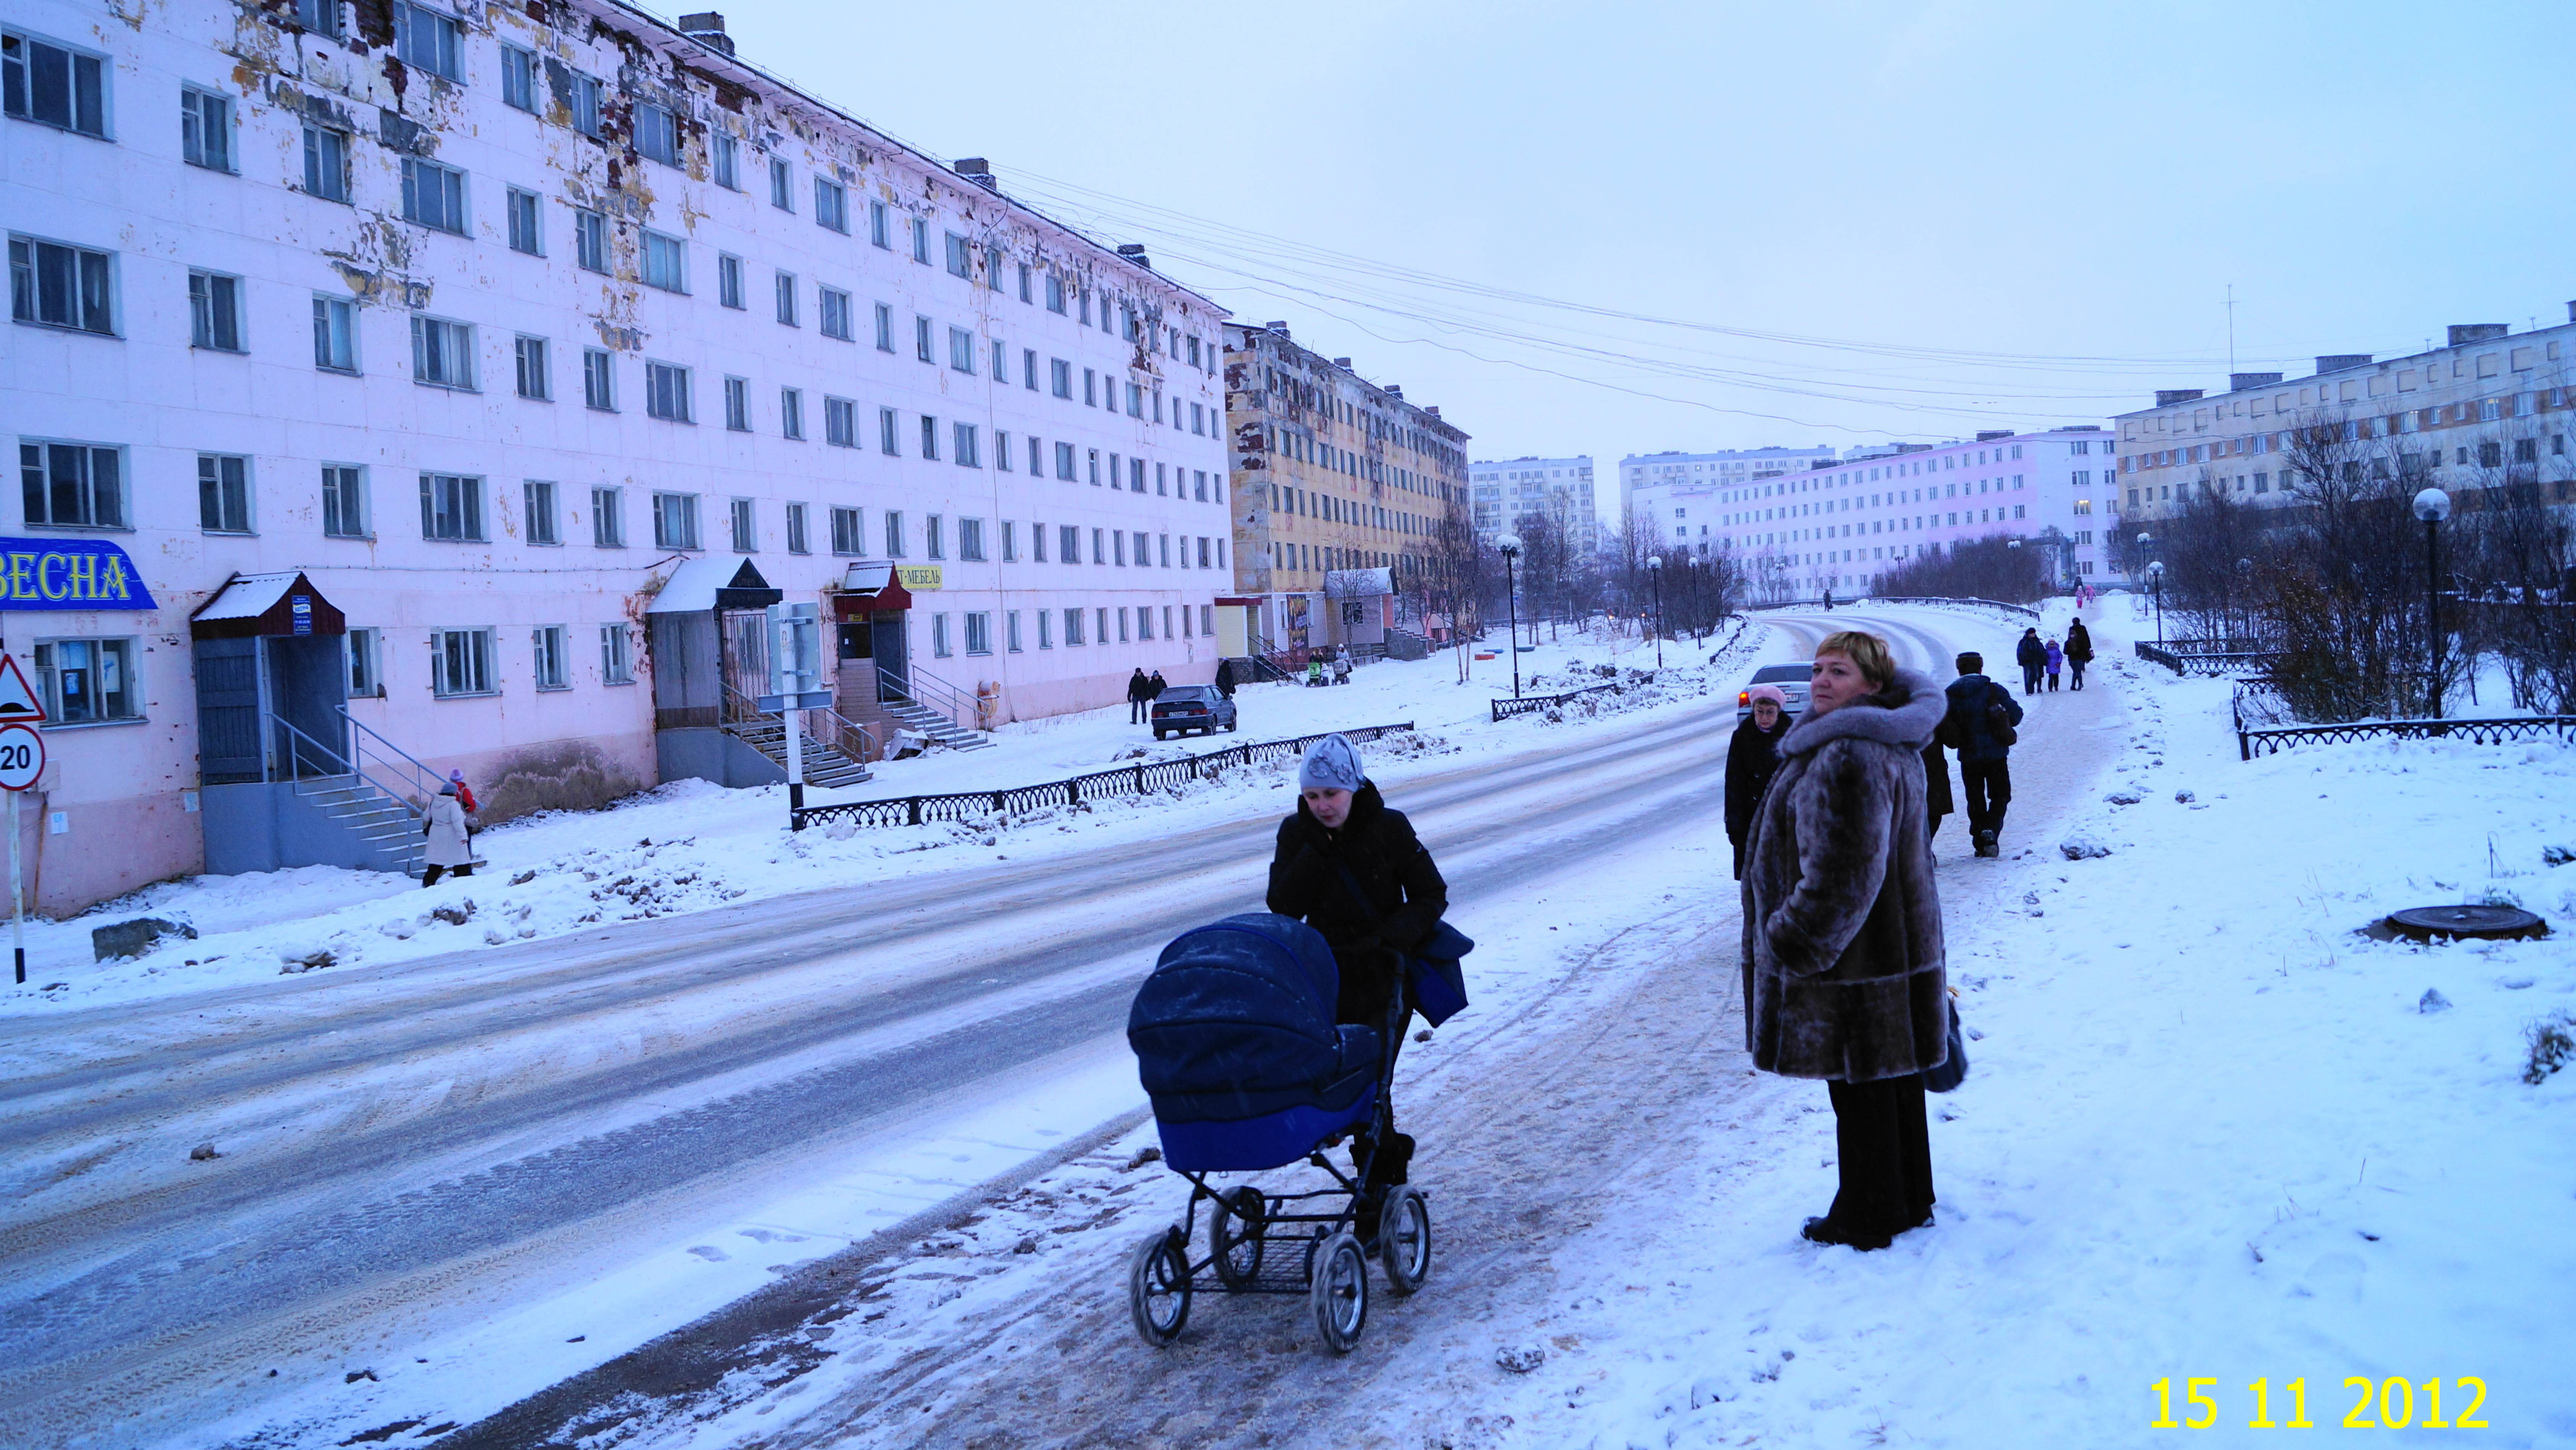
1726,468
1839,525
2464,416
1508,490
1338,486
457,380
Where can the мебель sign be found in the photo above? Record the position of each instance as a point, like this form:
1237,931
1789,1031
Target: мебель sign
69,574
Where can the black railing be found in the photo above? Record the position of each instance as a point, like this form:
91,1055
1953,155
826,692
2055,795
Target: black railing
1126,780
2210,665
1865,600
1529,704
2251,743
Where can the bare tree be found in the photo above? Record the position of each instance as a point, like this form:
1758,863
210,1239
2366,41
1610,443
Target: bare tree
1454,580
1996,568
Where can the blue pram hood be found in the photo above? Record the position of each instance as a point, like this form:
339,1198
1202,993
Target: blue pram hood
1237,1047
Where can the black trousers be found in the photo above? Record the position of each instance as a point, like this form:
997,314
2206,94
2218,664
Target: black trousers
1885,1153
2030,679
2078,667
429,874
1988,784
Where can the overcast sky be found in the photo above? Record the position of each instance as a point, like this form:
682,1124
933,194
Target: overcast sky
2064,193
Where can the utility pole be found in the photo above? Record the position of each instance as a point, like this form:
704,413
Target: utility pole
2231,331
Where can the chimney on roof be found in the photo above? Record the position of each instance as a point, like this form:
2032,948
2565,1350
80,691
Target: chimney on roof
2167,397
2571,311
2335,362
1345,363
1135,252
977,170
2239,382
2464,333
1989,435
1393,391
707,28
1280,328
1433,410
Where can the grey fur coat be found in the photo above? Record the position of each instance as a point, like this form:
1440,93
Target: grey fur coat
1842,923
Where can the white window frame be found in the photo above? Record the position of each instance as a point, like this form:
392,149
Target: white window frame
616,655
742,525
442,353
207,129
532,367
452,500
347,510
326,163
461,666
364,651
101,651
215,303
666,262
227,509
540,516
607,516
675,521
48,457
548,666
669,392
434,196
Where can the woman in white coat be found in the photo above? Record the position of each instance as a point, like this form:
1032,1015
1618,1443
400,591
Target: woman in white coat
449,848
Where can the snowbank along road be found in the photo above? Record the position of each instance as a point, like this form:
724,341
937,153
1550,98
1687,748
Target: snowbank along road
431,1143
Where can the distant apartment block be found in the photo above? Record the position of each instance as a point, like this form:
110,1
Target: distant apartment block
1508,490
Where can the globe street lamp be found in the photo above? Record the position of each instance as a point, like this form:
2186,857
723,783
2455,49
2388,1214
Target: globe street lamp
1655,571
1510,545
2156,587
2433,506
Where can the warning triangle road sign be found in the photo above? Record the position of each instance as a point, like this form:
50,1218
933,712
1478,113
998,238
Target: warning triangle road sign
18,703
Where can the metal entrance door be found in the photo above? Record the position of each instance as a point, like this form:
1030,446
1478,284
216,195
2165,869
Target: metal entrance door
889,638
228,701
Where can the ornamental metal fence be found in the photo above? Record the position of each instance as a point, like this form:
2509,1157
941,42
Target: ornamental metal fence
2505,731
2219,666
1141,778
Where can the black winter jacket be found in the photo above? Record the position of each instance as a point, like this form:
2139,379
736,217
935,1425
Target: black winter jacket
2079,643
1751,758
2030,654
1964,728
1404,895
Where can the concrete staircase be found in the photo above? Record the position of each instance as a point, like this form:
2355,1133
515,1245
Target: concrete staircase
387,828
824,765
944,732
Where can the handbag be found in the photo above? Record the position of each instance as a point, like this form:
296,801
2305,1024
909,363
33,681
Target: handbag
1435,980
1954,1070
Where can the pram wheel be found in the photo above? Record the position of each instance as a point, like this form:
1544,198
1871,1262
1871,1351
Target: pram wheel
1235,1237
1158,1286
1404,1239
1339,1293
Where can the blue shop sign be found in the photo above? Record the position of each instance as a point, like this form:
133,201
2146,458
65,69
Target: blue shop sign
69,574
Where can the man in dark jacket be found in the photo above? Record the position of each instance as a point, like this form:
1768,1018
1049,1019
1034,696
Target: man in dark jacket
1139,690
2079,650
1155,686
2032,656
1353,870
1225,678
1751,757
1977,707
1936,788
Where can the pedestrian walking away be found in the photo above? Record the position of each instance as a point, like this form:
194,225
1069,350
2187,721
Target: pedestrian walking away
1750,759
2056,659
1936,788
1843,976
450,846
1225,678
1981,725
2032,656
1351,867
2079,652
1139,690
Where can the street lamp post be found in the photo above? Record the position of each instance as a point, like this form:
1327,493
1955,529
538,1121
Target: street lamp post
1510,545
2433,506
1655,571
2156,587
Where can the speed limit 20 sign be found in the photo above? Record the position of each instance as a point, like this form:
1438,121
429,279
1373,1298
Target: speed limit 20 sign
22,757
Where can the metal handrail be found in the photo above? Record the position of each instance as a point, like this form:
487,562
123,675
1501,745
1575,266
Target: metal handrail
942,696
427,781
740,708
353,769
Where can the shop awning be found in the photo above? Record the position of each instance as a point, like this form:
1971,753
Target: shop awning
706,584
250,605
870,588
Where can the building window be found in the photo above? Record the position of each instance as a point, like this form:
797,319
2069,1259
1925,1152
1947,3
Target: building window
666,393
675,521
616,662
1046,629
433,195
366,664
521,209
939,636
889,438
847,534
223,493
1061,373
727,153
841,422
54,86
344,501
451,507
666,263
968,455
214,312
1025,294
746,530
72,485
1068,543
1011,629
1011,541
970,540
921,240
961,350
785,287
921,338
729,281
979,633
52,285
534,368
796,540
959,261
1064,462
791,412
737,404
598,382
929,436
86,681
782,189
460,662
442,353
426,39
1055,303
934,537
206,130
585,105
877,224
547,658
885,328
608,518
590,240
1072,627
993,269
831,205
894,533
518,78
657,133
539,523
835,320
326,163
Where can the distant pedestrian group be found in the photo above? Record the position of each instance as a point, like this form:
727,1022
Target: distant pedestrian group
1142,691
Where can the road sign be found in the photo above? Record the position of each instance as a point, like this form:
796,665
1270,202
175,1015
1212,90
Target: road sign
18,702
22,757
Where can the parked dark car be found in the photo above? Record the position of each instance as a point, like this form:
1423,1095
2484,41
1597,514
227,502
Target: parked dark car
1791,681
1184,708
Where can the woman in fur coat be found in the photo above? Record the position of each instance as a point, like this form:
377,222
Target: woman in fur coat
1843,971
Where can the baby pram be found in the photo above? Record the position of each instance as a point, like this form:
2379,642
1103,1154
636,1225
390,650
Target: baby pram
1236,1043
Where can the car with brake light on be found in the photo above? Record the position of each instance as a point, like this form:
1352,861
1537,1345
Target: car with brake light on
1184,708
1790,680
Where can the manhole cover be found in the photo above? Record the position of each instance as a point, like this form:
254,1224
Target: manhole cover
2492,923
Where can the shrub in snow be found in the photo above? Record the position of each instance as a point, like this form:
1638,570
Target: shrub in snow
2551,1045
2082,848
2557,855
2433,1001
2182,797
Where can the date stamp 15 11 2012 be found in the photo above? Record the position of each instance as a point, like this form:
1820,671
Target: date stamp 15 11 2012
2394,1403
